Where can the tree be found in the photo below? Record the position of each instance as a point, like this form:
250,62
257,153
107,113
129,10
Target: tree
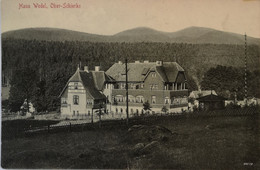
147,106
225,81
58,61
39,99
164,109
22,87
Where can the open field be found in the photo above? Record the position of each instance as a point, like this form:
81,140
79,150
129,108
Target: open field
221,142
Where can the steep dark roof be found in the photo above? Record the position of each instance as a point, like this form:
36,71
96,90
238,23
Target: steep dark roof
211,97
138,71
75,77
93,82
171,70
161,72
89,84
99,79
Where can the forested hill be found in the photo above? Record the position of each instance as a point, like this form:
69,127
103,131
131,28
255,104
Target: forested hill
52,63
194,35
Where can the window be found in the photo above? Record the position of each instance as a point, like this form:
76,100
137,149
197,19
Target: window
153,99
73,112
139,99
131,99
122,85
76,99
119,98
116,110
63,101
88,113
184,100
176,101
153,86
167,100
76,85
121,110
116,86
89,101
133,86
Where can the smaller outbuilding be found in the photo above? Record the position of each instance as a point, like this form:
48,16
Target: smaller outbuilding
211,102
194,95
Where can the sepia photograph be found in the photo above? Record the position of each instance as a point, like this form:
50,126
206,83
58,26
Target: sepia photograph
130,84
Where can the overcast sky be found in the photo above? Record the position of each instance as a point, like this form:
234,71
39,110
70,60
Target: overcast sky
112,16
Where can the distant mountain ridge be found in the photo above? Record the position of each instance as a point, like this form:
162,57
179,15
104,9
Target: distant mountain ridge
193,35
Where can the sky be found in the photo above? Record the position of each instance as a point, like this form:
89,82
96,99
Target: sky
108,17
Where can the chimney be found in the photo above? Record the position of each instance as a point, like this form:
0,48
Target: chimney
97,68
146,61
137,61
119,62
159,63
86,68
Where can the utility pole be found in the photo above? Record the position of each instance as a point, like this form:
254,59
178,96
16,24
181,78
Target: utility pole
245,71
126,87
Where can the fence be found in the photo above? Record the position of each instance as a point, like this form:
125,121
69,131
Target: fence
26,128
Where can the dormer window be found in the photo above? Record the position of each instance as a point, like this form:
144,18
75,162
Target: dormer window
76,85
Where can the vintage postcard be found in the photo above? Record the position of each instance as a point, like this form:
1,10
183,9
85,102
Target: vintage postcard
130,84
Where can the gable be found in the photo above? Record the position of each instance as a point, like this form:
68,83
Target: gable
180,77
88,83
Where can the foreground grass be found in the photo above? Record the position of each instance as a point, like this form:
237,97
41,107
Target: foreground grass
197,143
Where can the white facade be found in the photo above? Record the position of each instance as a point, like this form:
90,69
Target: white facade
74,103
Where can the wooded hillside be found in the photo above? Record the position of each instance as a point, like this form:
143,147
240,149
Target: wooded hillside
54,62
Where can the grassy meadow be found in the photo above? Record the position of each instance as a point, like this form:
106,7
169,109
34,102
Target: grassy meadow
218,142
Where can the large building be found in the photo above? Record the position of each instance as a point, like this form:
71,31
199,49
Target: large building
159,83
162,84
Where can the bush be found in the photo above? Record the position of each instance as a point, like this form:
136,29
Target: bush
232,106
